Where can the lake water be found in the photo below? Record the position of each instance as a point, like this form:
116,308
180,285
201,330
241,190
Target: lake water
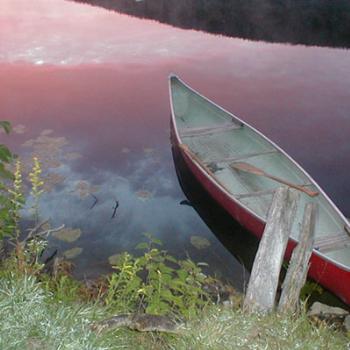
86,90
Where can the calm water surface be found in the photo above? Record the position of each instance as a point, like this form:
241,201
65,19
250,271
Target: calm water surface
86,90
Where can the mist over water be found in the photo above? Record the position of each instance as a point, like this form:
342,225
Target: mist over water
320,22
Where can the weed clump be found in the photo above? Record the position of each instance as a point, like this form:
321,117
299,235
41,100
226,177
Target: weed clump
157,283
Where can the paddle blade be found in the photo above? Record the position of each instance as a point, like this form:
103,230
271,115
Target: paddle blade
248,168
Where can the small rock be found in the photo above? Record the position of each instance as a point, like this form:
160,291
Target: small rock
319,309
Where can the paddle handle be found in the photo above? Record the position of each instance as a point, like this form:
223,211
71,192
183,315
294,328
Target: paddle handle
290,184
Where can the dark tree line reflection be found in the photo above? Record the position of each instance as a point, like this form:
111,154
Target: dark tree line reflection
309,22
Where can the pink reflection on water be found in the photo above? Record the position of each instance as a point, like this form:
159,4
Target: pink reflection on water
63,32
100,66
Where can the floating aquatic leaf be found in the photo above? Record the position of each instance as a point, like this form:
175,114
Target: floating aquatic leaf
67,234
115,259
51,180
200,242
143,195
84,188
28,143
154,160
72,155
53,163
125,150
46,132
72,253
47,148
148,150
19,129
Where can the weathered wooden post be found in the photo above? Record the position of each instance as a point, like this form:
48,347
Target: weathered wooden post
299,263
264,277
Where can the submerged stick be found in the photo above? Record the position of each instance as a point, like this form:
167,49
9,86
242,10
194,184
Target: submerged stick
95,200
115,209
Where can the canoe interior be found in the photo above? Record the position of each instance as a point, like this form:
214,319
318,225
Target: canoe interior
218,139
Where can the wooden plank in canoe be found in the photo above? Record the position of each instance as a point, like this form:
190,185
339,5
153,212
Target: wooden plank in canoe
243,156
188,132
254,194
262,193
332,242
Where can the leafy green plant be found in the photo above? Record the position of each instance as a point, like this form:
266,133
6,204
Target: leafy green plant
157,283
12,200
17,199
37,184
124,286
310,288
6,205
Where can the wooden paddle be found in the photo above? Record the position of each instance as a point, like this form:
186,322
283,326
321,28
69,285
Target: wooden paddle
248,168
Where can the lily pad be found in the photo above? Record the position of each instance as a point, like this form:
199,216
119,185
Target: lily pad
53,163
28,143
143,195
46,146
51,180
46,132
73,156
200,242
68,234
115,259
84,188
148,150
72,253
19,129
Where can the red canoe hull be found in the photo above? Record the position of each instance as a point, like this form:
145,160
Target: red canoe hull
325,272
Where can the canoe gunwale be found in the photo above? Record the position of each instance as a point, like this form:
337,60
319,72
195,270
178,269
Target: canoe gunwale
214,181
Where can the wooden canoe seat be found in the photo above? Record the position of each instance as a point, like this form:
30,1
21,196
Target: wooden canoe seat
254,194
207,130
242,157
262,193
332,242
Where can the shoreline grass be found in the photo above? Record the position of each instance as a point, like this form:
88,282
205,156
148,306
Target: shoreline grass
31,317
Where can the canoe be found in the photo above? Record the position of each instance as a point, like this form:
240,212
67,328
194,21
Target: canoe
228,156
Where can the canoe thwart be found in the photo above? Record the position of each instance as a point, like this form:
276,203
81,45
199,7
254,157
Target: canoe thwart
254,194
263,193
248,168
207,130
332,242
243,156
